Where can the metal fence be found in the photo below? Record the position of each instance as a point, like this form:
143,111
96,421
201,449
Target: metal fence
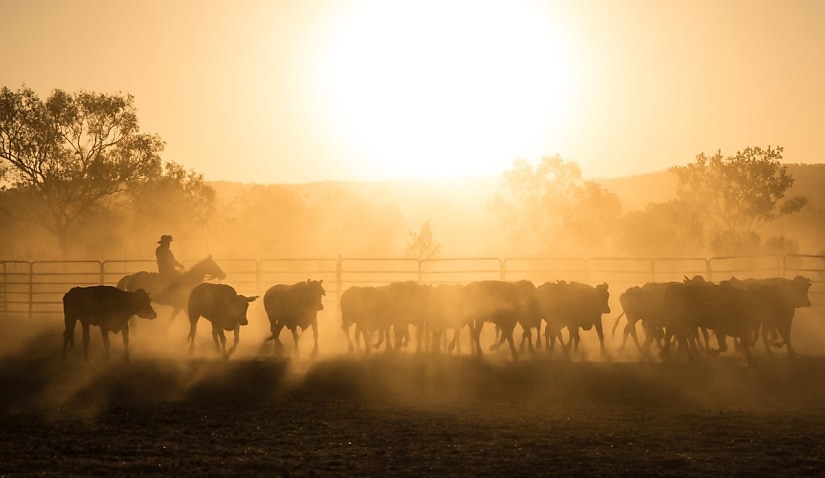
31,289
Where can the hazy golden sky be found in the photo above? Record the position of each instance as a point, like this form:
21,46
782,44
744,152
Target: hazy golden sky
306,90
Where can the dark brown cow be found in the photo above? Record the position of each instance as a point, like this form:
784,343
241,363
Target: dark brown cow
777,299
504,304
223,307
574,306
645,304
726,309
449,312
106,307
293,306
361,306
403,304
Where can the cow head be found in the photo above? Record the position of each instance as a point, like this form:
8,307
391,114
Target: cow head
239,307
799,291
143,305
316,294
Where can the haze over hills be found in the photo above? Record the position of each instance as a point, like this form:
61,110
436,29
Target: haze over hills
459,209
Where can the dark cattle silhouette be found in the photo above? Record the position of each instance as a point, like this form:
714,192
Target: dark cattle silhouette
449,312
777,300
176,293
106,307
645,304
361,307
725,309
223,307
293,306
574,306
402,304
504,304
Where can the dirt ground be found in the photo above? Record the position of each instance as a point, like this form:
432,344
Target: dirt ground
402,414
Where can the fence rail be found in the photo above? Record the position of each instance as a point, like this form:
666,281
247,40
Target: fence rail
31,289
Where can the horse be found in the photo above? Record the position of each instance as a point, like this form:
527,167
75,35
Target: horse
175,293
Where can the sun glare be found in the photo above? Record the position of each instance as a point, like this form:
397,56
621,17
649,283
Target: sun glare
427,89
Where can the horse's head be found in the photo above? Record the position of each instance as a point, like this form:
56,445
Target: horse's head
207,269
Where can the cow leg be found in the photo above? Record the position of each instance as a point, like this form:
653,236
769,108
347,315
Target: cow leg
85,328
295,338
527,334
785,332
277,327
236,339
125,333
500,338
475,332
105,334
723,342
508,335
68,335
455,343
345,326
632,331
765,333
746,351
600,333
314,339
220,339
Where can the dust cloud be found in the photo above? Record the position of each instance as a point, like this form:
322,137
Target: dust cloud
162,370
260,222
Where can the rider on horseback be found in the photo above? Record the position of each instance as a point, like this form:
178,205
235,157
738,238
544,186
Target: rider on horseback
167,264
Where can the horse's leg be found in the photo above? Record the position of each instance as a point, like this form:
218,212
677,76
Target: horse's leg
172,316
85,327
193,326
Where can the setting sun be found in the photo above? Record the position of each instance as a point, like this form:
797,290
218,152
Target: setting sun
446,88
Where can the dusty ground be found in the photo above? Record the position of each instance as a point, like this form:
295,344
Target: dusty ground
404,415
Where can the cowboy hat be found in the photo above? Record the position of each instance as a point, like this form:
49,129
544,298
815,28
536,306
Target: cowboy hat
165,238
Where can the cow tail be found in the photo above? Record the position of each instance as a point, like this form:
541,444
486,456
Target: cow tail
616,324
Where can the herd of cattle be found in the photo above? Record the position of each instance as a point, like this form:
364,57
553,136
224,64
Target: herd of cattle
672,314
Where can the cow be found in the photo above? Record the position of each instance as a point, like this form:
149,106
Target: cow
504,304
574,306
777,300
449,312
293,306
645,304
402,304
360,306
106,307
725,309
223,307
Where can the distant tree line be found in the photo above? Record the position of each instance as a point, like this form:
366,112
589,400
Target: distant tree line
78,179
